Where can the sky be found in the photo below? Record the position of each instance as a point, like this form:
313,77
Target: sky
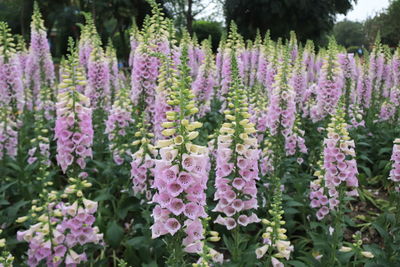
364,9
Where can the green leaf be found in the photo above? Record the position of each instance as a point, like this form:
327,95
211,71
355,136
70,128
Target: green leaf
294,203
137,242
366,170
114,234
104,194
296,264
4,187
364,157
384,150
381,230
151,264
13,210
4,202
291,211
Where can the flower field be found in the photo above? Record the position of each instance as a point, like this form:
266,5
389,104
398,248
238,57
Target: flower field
264,153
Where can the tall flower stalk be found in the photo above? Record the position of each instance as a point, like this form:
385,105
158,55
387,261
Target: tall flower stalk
11,94
336,178
73,130
40,74
237,165
180,176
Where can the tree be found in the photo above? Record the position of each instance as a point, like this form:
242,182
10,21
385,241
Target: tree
185,11
205,29
349,33
310,19
112,18
387,23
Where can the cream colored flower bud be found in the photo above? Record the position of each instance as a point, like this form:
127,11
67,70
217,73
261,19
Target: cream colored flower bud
135,143
193,135
214,238
249,130
266,235
164,143
367,254
170,113
39,209
230,117
63,85
345,249
265,221
197,124
214,233
82,83
178,140
194,110
22,219
57,213
168,132
43,218
168,124
282,236
244,122
245,115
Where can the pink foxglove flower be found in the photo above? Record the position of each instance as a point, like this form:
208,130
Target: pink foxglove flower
395,172
119,126
181,173
204,84
338,174
330,85
73,130
40,73
236,164
62,229
98,88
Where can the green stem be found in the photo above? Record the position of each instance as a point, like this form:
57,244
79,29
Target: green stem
236,250
337,227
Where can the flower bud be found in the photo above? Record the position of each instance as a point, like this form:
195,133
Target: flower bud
193,135
367,254
168,132
22,219
214,238
345,249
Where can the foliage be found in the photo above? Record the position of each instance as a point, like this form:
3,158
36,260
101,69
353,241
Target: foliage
208,29
309,19
386,24
349,33
262,153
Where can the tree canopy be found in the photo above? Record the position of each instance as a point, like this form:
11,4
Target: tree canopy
349,33
310,19
387,23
